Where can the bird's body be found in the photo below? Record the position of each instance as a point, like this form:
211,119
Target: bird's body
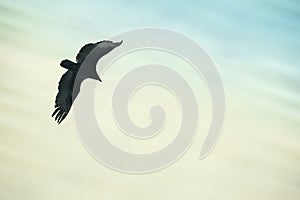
65,96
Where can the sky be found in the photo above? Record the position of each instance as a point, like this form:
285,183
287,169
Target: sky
255,46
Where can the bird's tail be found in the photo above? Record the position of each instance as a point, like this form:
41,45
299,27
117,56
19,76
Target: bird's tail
68,64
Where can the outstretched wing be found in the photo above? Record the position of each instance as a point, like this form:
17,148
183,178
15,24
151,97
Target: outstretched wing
63,101
84,51
105,45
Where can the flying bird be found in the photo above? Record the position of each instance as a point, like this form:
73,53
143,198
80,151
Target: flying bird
66,90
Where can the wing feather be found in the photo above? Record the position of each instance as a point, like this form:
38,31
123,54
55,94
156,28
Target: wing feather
63,101
106,47
84,51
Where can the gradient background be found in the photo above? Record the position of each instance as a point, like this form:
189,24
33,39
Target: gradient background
255,45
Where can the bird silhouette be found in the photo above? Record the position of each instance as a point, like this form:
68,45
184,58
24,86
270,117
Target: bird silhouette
66,90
